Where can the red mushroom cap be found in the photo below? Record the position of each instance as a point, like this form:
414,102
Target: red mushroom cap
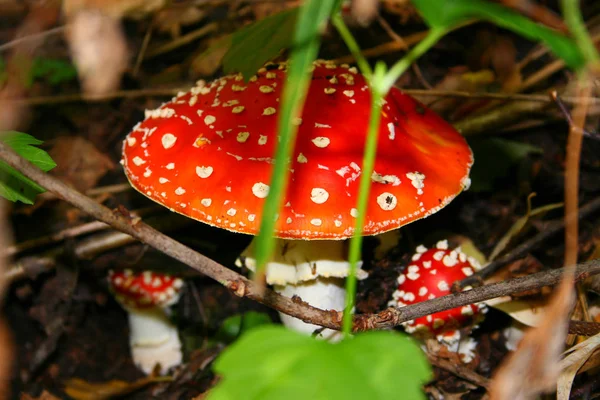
208,154
145,289
430,274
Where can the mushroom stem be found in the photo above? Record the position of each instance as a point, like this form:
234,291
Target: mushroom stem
323,293
312,270
153,339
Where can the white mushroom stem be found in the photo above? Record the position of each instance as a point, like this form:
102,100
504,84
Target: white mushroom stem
153,339
312,270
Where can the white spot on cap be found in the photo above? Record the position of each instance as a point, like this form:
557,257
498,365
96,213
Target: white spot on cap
266,89
204,172
385,179
288,220
179,191
319,195
318,125
401,279
231,212
337,223
321,141
243,136
262,139
443,285
316,222
466,310
422,291
387,201
131,141
421,249
170,166
209,119
426,264
349,93
206,202
168,140
329,90
147,172
442,245
302,158
138,161
468,271
251,217
269,111
260,190
354,212
162,180
417,180
391,130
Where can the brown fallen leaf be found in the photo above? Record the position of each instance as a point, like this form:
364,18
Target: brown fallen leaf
535,366
44,396
80,163
98,49
83,390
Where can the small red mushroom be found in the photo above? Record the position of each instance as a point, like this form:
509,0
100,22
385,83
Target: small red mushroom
146,296
208,154
430,274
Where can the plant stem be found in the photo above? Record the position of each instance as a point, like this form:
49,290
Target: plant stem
434,35
352,45
363,198
574,20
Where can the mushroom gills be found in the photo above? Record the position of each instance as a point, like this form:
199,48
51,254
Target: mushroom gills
312,270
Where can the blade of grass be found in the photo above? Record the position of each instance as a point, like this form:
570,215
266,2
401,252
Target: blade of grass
576,25
311,17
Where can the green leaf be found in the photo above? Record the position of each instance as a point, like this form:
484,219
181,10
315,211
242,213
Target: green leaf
311,17
493,158
53,71
272,362
13,185
259,42
235,325
448,14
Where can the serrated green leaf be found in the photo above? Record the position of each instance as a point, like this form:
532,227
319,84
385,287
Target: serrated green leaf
272,362
13,185
493,158
259,42
448,14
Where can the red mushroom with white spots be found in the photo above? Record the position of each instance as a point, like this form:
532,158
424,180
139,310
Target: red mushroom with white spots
146,296
208,154
429,275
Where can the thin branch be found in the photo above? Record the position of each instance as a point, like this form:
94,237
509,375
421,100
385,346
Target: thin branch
395,316
244,287
240,285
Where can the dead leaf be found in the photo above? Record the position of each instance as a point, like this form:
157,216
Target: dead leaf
98,49
171,20
44,396
113,8
576,357
534,367
82,390
80,164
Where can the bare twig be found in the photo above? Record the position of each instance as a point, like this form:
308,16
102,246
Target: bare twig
394,316
240,285
244,287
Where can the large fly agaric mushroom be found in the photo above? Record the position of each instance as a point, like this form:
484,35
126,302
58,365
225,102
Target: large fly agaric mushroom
208,154
429,275
146,296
